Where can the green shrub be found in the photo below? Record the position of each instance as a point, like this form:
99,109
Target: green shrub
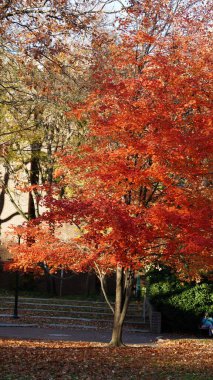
182,305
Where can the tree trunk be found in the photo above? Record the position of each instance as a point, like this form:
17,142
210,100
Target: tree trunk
116,340
61,283
34,177
53,286
124,281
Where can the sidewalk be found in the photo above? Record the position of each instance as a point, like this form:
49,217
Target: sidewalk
73,334
84,334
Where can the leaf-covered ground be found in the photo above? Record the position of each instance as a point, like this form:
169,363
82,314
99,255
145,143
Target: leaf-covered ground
168,360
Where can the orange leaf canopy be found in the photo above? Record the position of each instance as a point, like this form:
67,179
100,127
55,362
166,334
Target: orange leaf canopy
139,187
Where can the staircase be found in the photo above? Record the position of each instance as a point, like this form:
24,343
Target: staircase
46,312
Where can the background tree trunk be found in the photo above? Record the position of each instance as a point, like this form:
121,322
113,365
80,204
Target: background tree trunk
34,177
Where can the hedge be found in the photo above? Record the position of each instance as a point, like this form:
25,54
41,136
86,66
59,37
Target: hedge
182,304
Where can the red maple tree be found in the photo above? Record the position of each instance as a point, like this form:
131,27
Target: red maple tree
138,189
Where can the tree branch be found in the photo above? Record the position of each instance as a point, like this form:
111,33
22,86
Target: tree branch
101,278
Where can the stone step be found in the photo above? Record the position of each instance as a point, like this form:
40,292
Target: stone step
48,312
136,313
54,300
65,308
18,325
88,320
71,312
79,308
61,302
74,305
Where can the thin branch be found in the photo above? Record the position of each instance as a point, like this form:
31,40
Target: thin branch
15,204
9,217
152,193
101,277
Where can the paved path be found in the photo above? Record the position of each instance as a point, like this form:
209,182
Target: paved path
70,334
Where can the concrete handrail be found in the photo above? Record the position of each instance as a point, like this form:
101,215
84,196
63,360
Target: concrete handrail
153,316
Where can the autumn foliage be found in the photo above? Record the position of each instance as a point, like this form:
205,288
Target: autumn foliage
138,189
140,185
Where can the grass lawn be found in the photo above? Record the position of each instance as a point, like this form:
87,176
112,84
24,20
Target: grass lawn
179,359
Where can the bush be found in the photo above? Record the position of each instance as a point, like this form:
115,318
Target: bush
182,305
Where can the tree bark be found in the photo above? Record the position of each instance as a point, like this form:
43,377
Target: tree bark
124,281
34,177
